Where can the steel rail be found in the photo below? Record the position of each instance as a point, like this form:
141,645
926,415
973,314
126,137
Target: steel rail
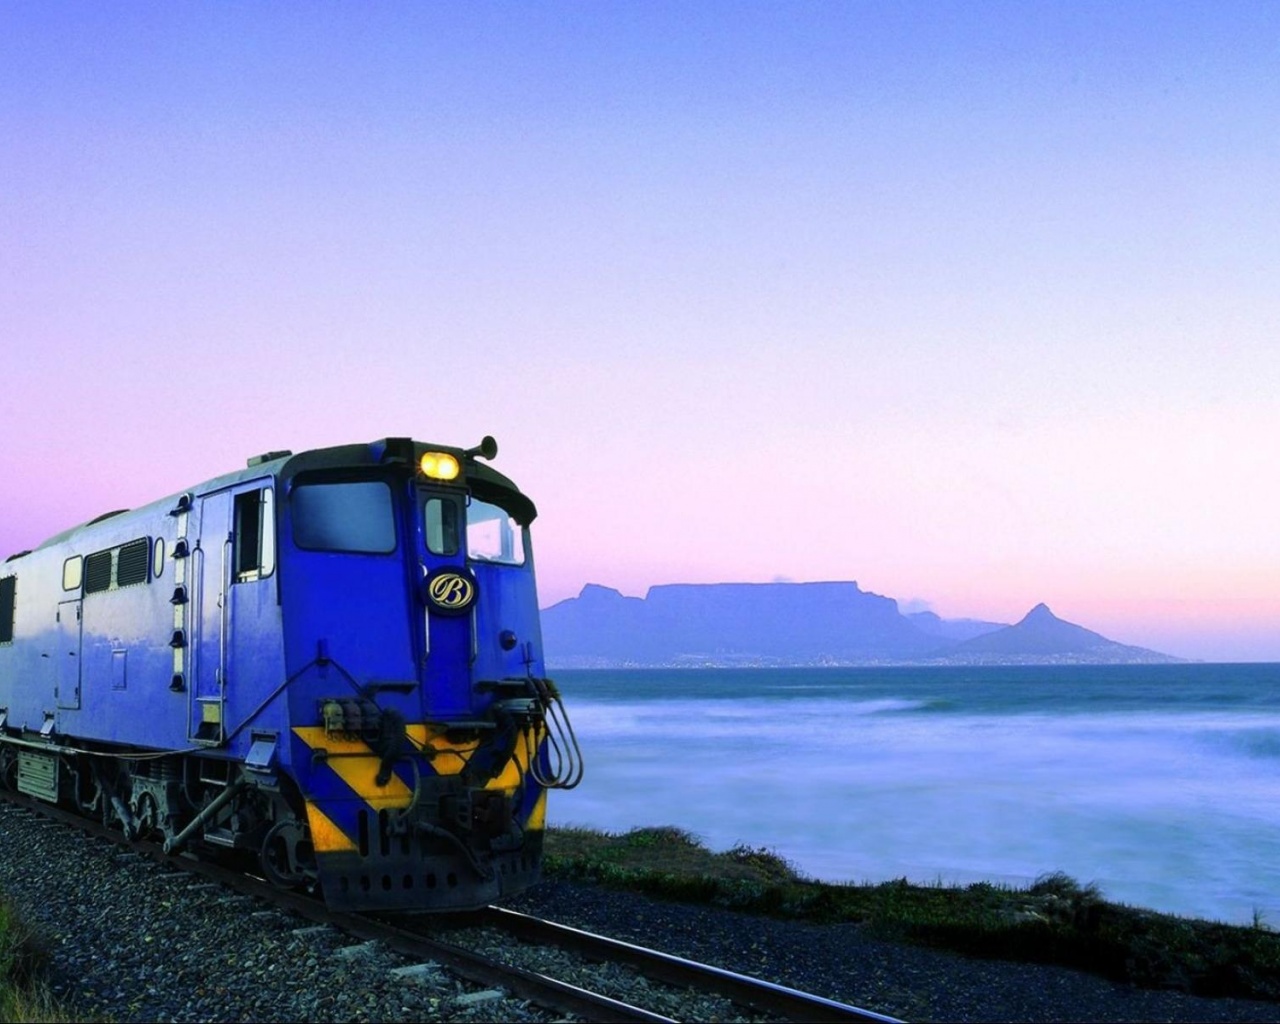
754,992
765,996
473,967
538,988
479,970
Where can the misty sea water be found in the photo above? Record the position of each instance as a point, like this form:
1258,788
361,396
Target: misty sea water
1161,783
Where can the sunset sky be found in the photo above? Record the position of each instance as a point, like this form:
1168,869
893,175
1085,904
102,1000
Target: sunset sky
975,304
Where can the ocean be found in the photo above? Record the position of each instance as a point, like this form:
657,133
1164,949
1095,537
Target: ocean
1159,783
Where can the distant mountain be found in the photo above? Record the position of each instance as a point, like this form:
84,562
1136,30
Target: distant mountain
731,623
951,629
1043,637
800,624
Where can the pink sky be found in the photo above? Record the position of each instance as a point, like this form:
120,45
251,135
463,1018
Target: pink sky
974,305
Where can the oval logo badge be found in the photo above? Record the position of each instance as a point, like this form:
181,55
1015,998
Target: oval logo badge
450,591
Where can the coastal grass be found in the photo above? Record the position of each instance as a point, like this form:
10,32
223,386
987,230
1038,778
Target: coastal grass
23,996
1054,921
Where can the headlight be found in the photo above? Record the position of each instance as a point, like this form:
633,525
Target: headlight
439,466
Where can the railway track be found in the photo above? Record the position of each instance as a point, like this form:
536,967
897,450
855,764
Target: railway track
423,939
763,997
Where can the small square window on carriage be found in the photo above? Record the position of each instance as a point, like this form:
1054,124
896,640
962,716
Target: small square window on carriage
73,572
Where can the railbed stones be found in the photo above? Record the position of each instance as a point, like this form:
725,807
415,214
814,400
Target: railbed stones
128,944
843,962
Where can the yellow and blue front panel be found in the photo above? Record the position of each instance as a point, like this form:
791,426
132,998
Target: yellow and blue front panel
364,864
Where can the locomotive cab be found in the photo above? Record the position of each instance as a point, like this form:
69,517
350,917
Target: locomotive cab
419,716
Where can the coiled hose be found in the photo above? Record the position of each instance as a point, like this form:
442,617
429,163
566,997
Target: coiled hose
561,767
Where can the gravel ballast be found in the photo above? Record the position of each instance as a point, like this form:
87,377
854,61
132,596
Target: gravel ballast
844,963
130,941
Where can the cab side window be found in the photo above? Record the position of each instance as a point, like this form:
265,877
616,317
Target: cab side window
255,535
8,595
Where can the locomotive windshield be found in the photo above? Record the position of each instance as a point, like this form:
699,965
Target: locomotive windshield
353,516
493,535
440,516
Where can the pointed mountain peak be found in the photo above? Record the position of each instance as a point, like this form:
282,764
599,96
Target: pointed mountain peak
1040,634
1040,613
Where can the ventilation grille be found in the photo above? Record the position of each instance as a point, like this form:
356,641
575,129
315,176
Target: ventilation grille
114,568
97,572
133,563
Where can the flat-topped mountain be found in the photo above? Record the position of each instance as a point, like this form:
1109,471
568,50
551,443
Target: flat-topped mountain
731,623
800,624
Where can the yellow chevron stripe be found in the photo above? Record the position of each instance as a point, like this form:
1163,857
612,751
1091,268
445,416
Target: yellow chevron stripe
538,816
518,767
450,757
326,837
360,774
358,765
316,738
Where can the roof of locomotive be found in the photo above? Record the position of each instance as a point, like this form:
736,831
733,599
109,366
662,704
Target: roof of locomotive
484,480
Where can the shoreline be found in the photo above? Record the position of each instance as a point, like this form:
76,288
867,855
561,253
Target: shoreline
1055,921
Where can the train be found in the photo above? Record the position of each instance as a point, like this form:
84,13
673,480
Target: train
325,667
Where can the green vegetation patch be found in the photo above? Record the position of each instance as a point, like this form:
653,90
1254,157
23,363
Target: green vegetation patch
22,961
1055,921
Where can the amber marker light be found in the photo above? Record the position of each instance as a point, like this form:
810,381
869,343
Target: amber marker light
439,466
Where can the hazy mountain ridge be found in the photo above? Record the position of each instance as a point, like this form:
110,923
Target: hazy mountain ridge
835,623
1041,637
951,629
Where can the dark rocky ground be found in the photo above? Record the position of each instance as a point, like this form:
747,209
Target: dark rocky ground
127,941
843,962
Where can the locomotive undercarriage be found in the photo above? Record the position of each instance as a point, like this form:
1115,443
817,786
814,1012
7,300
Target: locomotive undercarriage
212,807
454,839
460,830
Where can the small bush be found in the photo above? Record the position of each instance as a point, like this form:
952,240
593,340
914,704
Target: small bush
663,835
22,963
21,956
765,861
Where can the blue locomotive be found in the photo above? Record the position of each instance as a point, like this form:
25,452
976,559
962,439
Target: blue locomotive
326,664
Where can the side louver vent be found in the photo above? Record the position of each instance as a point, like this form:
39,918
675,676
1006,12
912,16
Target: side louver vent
97,572
133,564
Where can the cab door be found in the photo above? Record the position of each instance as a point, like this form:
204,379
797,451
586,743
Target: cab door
67,653
234,563
211,563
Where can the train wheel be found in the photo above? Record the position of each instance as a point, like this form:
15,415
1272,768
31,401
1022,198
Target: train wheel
281,856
